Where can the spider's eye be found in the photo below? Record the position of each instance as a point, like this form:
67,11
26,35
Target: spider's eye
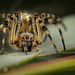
27,37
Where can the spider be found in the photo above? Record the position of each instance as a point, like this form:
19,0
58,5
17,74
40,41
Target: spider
26,30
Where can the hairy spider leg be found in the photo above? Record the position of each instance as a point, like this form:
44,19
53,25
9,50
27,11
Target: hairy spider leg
3,40
61,36
4,27
35,45
1,26
54,22
5,15
48,34
46,16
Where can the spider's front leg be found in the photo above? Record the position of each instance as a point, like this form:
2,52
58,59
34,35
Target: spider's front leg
55,23
44,28
46,16
52,20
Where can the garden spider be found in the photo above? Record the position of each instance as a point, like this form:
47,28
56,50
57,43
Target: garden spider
26,30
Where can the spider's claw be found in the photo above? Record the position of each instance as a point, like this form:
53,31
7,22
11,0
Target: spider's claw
64,48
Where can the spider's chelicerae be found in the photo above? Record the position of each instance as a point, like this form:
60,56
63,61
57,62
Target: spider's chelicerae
26,30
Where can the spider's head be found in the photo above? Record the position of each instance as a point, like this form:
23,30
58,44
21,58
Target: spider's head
26,40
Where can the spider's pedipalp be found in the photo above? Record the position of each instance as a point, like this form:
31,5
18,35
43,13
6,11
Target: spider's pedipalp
24,49
35,45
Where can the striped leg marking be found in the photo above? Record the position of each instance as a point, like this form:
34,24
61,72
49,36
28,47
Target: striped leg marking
54,22
46,16
48,34
35,45
3,40
5,15
61,36
1,26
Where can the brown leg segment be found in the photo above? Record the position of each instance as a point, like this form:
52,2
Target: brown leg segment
4,27
35,45
46,16
61,36
48,34
55,23
3,40
1,26
5,15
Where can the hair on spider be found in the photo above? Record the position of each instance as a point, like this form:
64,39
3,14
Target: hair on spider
26,30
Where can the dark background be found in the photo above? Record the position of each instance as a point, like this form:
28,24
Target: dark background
58,7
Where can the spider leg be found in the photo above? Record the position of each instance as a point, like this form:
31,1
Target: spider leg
35,45
45,38
59,21
61,36
15,24
47,16
44,28
34,28
4,27
3,40
11,29
1,26
54,22
5,15
18,24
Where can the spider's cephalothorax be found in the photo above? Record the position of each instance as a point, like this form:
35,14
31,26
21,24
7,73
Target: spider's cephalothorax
26,30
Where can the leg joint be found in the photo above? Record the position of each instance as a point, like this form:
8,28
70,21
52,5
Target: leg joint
44,28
